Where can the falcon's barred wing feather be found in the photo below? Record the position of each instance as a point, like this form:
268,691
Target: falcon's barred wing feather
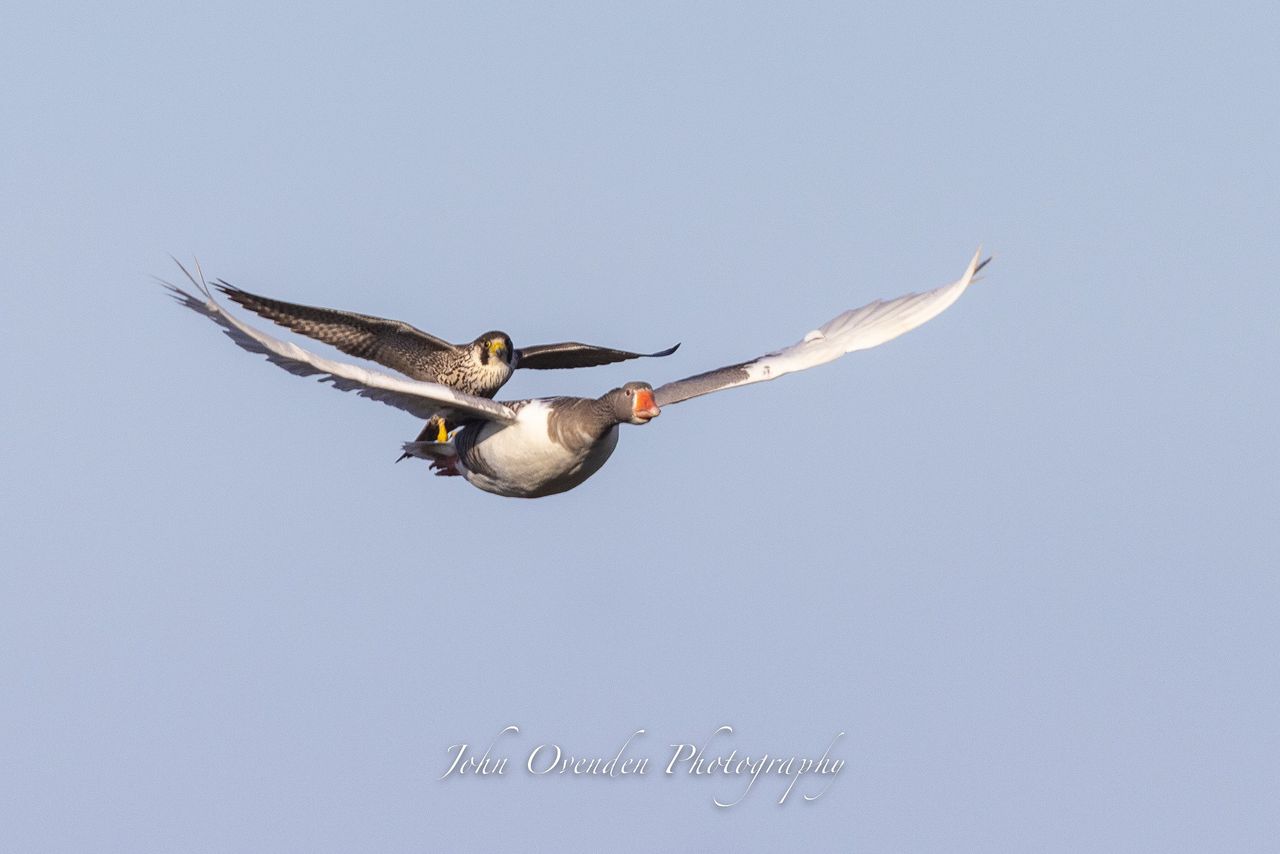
857,329
388,342
571,354
425,400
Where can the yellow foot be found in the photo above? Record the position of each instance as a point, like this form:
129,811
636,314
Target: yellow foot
443,435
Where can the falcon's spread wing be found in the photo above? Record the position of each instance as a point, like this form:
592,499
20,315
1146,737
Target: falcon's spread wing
857,329
388,342
422,399
571,354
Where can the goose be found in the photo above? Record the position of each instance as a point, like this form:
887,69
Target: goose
545,446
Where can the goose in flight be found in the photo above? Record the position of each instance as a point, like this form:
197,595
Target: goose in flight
533,448
479,367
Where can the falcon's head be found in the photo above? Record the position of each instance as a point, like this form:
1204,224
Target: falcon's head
493,346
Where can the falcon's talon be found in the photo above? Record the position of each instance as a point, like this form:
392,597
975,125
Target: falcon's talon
443,434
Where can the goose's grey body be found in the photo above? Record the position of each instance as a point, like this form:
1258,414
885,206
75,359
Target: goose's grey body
554,445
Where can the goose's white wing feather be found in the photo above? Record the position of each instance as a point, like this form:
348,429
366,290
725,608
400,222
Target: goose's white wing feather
425,400
857,329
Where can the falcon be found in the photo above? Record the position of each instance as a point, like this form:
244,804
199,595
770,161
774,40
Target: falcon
479,367
544,446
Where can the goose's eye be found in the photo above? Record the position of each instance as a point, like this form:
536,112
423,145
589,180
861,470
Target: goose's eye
629,392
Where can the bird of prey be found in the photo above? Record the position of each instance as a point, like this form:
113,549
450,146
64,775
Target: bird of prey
539,447
479,367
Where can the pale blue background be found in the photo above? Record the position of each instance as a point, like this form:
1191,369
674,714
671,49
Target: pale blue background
1024,557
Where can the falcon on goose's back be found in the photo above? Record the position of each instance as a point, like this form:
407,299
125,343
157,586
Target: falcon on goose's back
533,448
479,367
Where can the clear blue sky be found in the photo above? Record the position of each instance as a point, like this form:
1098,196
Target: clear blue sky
1024,557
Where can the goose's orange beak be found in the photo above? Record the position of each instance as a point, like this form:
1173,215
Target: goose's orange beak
645,407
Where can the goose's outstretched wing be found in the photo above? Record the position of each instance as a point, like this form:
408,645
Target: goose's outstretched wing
397,345
571,354
857,329
425,400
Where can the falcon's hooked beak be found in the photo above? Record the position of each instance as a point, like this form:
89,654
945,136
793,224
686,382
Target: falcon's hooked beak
644,407
497,347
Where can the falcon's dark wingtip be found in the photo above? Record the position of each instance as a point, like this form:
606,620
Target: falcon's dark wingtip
668,351
236,295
